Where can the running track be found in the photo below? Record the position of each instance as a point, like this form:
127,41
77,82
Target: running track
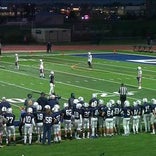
38,48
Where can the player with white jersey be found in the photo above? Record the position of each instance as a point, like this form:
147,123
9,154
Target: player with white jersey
29,122
94,118
90,58
109,112
57,123
10,126
67,120
41,69
126,118
16,61
39,123
86,120
77,116
52,85
135,117
139,77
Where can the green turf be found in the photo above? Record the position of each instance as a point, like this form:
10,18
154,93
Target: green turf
72,75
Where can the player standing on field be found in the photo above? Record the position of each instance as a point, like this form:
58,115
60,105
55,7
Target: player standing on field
51,76
41,69
16,62
139,77
90,58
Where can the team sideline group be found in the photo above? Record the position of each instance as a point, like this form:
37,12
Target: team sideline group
77,119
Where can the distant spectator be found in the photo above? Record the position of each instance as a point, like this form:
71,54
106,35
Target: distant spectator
49,45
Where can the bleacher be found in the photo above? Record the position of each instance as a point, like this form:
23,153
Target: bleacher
143,48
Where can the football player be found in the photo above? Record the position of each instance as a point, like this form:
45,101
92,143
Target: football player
57,123
126,118
39,123
29,122
90,58
41,69
94,118
117,116
52,85
16,62
77,116
101,118
4,103
146,110
3,113
86,120
67,120
135,117
10,126
2,122
153,115
109,112
139,76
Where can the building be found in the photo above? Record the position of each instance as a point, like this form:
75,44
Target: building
150,8
54,35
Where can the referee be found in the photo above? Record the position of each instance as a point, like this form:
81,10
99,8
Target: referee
123,94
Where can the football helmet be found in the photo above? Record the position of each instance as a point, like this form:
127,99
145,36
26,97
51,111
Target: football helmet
154,102
52,72
127,103
144,100
112,102
39,107
89,53
57,107
40,60
80,99
101,102
78,106
29,110
35,104
9,110
4,109
65,105
138,102
47,107
94,104
3,98
108,104
135,103
75,101
118,102
139,68
86,104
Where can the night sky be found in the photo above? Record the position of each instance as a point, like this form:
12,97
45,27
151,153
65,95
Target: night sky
75,1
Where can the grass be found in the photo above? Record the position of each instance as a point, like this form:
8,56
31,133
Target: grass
72,75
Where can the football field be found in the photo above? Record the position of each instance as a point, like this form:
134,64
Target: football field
72,75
